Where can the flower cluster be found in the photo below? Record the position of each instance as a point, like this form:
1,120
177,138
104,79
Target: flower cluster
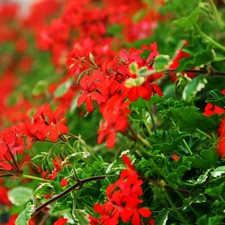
113,85
46,124
11,144
123,200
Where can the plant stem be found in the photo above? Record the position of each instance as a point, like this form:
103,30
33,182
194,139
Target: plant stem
138,137
152,118
203,133
174,208
215,11
212,72
33,178
186,145
70,147
216,44
75,186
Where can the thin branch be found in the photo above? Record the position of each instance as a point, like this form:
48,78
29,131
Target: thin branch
77,185
212,72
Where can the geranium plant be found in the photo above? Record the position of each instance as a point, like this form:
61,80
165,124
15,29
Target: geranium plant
112,113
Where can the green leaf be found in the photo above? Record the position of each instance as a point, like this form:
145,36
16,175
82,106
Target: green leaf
161,62
144,71
162,217
218,171
74,103
42,190
200,198
200,53
215,191
170,144
187,23
114,29
92,58
218,98
63,88
206,160
40,87
20,195
201,179
73,158
209,220
133,68
25,215
81,216
188,119
193,87
63,203
180,171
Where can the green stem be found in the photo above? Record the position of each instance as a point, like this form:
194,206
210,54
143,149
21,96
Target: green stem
186,145
175,208
215,11
131,128
91,152
138,137
68,144
208,72
33,178
152,118
203,133
216,44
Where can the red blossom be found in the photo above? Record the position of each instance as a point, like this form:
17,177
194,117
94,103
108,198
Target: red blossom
11,144
115,120
89,94
221,143
61,221
46,123
175,157
63,182
123,200
4,196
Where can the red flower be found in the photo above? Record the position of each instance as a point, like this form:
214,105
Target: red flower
152,86
153,49
4,196
63,182
46,123
114,112
11,144
89,94
175,157
221,143
123,199
61,221
93,221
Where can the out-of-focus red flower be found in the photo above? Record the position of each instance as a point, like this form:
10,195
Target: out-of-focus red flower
175,157
221,143
63,182
4,196
61,221
12,220
46,123
11,144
